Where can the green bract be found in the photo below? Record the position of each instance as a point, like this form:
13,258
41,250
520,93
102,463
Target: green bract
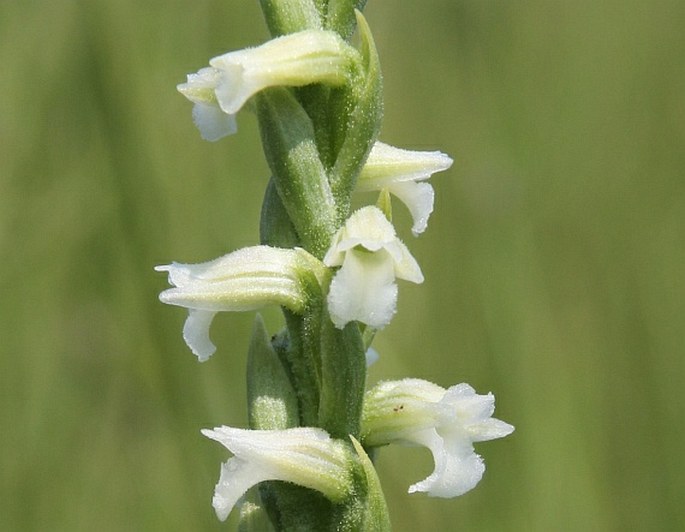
271,398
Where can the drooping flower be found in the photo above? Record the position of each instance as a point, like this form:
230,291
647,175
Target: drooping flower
448,422
371,257
246,279
293,60
398,171
305,456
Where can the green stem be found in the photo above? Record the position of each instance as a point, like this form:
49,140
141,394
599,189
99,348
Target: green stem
290,16
316,140
299,176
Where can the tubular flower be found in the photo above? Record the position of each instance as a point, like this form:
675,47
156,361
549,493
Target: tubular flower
398,171
247,279
371,257
294,60
448,422
304,456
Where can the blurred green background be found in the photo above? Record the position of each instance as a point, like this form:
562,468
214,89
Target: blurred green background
553,261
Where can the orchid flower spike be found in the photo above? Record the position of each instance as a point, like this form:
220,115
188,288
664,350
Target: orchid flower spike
293,60
304,456
371,257
247,279
398,171
448,422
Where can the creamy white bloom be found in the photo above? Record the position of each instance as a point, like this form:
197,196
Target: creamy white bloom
246,279
294,60
397,171
371,257
304,456
448,422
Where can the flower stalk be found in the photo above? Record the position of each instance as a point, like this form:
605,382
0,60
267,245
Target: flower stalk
302,464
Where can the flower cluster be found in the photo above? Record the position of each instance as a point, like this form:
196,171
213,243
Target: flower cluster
336,282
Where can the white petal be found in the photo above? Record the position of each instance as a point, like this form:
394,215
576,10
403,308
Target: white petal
406,267
212,122
200,86
364,290
196,333
335,256
419,199
387,165
236,477
234,88
490,429
457,468
459,476
462,401
367,227
413,389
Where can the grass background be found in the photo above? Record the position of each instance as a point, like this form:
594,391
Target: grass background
553,262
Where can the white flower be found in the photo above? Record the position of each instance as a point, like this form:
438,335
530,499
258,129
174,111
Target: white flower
212,122
372,257
397,171
304,456
247,279
294,60
448,422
